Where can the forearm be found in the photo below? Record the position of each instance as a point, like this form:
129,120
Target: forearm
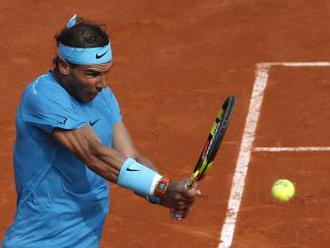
129,173
83,142
112,164
136,173
106,162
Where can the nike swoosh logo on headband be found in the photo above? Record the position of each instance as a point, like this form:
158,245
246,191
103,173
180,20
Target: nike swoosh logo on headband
100,56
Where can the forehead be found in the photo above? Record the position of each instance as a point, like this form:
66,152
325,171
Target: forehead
97,67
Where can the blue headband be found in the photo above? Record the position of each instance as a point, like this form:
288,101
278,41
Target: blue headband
84,56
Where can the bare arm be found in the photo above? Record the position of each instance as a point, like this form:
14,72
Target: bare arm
84,143
122,142
107,162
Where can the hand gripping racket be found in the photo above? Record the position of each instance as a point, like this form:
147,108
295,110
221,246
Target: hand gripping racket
211,146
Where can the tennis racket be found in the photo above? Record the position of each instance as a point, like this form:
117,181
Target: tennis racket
211,146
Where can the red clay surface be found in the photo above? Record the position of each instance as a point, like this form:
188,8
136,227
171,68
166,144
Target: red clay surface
175,62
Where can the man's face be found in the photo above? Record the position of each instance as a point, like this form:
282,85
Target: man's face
85,81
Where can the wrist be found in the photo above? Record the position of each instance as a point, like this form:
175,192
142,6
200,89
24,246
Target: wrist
137,177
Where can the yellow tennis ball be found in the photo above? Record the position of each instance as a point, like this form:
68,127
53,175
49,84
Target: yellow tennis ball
283,190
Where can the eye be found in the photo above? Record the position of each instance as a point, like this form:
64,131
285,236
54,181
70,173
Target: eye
92,74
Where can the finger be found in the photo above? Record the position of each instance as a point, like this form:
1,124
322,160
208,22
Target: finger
187,202
184,201
192,193
184,197
182,205
198,192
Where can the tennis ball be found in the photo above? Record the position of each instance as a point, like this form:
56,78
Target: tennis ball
283,190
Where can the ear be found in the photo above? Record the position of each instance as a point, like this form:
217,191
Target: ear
64,66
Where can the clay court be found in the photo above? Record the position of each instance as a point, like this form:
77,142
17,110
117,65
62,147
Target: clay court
175,62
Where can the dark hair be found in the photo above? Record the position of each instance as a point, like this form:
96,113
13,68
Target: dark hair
83,34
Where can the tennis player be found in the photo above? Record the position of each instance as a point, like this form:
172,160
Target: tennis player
70,142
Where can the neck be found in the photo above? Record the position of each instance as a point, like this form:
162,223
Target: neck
61,79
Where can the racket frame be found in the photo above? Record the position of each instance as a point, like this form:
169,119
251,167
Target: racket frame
215,138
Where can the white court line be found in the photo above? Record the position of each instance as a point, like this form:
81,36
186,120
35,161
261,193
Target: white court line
296,64
293,149
243,160
228,228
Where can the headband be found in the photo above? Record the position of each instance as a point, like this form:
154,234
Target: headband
84,56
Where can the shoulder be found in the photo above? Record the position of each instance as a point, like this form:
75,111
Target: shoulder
47,105
45,92
107,92
45,86
112,103
109,96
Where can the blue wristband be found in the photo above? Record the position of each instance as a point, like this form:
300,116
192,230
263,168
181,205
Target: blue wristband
137,177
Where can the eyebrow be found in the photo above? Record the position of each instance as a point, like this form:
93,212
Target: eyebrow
97,71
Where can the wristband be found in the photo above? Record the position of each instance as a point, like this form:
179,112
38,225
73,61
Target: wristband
137,177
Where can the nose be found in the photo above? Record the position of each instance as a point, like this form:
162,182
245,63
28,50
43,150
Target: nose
101,84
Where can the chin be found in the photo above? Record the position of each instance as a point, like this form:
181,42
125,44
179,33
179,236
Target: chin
84,99
87,100
90,98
